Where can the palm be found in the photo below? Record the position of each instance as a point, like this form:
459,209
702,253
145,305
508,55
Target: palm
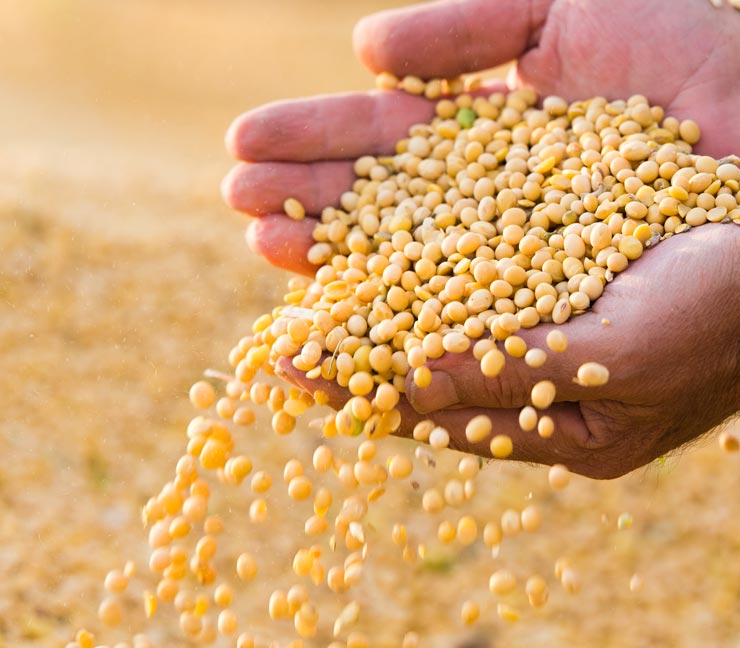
663,383
672,52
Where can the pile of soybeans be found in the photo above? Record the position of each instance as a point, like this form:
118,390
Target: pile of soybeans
493,218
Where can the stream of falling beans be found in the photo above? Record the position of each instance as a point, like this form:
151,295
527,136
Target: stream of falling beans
494,217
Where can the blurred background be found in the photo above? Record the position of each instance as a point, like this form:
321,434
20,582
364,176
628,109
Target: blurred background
122,277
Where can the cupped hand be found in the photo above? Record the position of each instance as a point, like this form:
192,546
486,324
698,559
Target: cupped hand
671,343
682,54
668,331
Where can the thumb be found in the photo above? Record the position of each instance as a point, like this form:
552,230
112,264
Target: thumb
457,379
445,39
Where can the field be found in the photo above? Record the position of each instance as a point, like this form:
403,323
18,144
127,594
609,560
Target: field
123,276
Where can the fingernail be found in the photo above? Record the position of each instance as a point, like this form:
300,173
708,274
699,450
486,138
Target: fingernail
440,394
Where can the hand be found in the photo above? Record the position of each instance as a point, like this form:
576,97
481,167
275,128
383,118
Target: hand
671,345
667,386
682,54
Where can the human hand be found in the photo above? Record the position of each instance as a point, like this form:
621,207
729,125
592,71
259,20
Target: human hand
297,149
671,345
683,55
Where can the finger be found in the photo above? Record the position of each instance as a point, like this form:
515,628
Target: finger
606,455
445,39
283,242
328,127
457,380
569,445
262,187
332,127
